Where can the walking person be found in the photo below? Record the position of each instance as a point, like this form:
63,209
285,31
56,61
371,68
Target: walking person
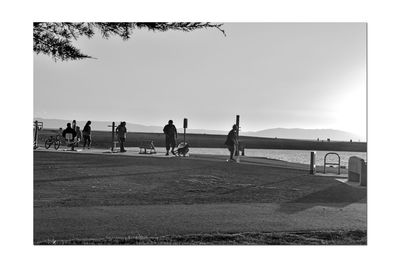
87,135
121,133
170,137
232,142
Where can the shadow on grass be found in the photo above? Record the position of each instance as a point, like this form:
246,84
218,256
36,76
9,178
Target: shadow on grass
339,196
113,175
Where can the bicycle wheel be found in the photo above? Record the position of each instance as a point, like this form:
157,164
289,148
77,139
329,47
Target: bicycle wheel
48,143
57,144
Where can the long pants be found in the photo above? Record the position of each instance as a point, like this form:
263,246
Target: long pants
86,138
121,143
232,150
170,142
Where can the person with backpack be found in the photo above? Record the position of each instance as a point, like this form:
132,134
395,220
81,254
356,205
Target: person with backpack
121,133
232,142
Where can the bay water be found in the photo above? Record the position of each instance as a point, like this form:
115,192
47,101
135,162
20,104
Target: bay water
296,156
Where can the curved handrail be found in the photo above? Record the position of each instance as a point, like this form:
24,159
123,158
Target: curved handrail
332,163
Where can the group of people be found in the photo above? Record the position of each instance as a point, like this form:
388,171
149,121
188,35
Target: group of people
171,134
169,130
78,135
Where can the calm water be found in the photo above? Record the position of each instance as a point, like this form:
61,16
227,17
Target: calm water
297,156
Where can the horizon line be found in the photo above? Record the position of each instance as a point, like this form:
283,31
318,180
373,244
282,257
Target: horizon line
250,131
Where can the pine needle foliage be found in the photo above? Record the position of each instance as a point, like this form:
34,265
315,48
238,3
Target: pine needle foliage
55,38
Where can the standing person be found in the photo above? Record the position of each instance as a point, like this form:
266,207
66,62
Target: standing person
60,131
74,125
121,133
170,137
87,134
232,142
78,135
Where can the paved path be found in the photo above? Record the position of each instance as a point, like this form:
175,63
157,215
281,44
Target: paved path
134,152
159,220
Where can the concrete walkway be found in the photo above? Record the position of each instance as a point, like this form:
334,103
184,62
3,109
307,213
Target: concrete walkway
134,152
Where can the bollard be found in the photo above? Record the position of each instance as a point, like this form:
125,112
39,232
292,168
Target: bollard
312,162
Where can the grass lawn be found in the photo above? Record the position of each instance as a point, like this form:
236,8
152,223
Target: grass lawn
355,237
72,180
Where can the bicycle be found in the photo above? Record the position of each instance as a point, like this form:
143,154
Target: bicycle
53,140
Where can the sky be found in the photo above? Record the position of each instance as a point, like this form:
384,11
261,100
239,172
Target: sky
290,75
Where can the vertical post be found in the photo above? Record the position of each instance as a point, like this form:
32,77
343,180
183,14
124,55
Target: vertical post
112,135
185,124
237,136
35,141
312,162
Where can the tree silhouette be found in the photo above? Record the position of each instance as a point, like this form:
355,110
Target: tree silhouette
55,39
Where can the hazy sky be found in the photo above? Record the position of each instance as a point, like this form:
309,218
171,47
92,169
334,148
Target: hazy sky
293,75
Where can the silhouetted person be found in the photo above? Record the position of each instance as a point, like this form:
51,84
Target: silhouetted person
170,137
78,135
60,131
87,134
71,131
73,126
232,141
121,133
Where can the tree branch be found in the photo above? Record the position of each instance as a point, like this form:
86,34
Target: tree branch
54,39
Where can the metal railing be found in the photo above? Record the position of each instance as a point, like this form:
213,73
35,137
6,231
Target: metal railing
332,163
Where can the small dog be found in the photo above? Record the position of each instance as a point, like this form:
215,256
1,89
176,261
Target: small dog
182,149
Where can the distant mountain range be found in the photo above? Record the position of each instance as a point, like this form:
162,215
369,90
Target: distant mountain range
287,133
310,134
